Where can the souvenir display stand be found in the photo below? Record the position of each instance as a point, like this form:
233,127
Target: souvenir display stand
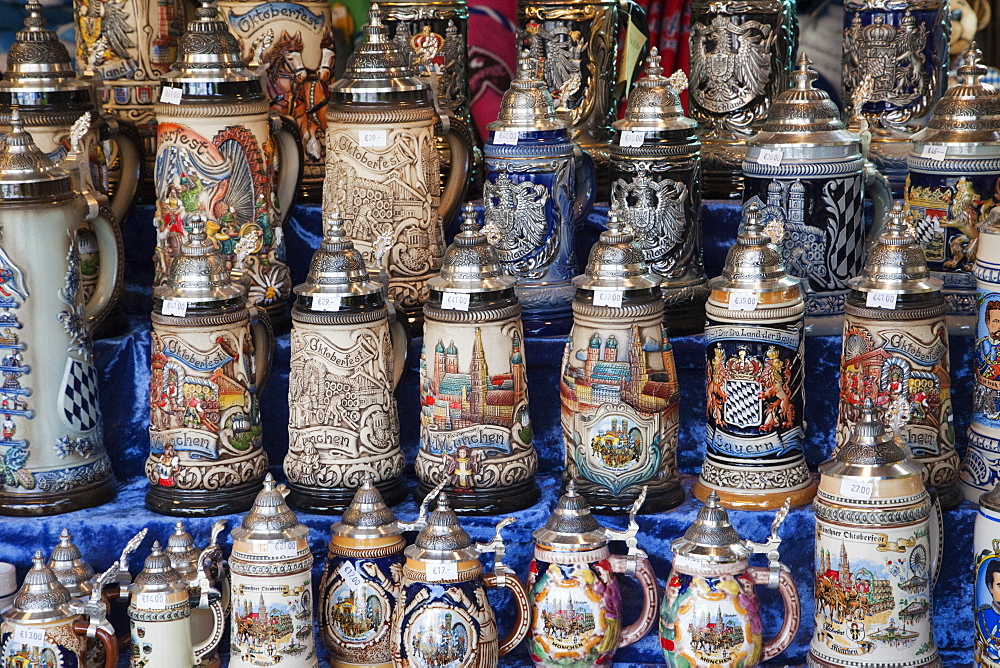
124,366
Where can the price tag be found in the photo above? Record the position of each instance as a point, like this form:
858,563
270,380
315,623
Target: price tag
455,301
175,308
885,300
151,601
633,138
445,571
612,298
326,302
29,636
283,549
171,95
934,152
508,137
351,576
371,138
854,489
770,156
743,301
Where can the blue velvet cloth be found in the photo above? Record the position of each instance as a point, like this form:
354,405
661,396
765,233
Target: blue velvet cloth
124,365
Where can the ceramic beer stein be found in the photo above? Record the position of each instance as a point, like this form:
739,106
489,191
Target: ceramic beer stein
618,385
223,156
873,605
656,184
343,421
54,459
210,356
442,615
382,168
710,614
894,70
986,592
272,586
954,184
475,431
741,57
895,353
573,594
539,186
806,173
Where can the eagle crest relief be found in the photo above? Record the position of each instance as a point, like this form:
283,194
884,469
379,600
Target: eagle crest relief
517,211
655,212
730,63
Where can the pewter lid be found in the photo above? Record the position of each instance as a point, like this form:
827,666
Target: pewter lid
571,526
367,517
270,519
157,573
208,50
527,104
442,539
337,268
25,171
182,552
896,261
991,500
969,111
870,451
199,274
616,261
38,54
378,65
655,102
69,566
711,537
41,598
753,263
470,263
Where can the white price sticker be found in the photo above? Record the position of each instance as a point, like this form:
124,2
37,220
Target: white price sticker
885,300
455,301
743,301
854,489
151,601
612,298
509,137
326,302
633,138
175,308
29,636
351,576
934,152
445,571
283,549
171,95
372,138
770,156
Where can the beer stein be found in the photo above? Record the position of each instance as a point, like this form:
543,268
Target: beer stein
619,390
70,568
539,187
873,605
754,377
894,70
574,598
272,586
986,592
54,460
343,420
741,57
210,356
710,614
895,352
442,616
656,184
382,168
160,618
475,431
954,184
806,173
295,43
221,155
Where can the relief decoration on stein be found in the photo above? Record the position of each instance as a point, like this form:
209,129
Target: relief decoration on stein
358,616
987,603
268,630
986,399
655,211
563,53
13,395
442,56
526,239
455,628
107,39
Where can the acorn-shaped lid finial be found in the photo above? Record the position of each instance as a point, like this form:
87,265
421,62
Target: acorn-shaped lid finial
337,267
378,65
896,261
199,274
616,261
655,101
527,105
471,264
571,526
711,537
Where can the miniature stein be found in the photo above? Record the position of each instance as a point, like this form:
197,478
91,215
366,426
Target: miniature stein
210,357
224,157
575,602
656,184
295,44
539,187
272,586
70,568
54,460
986,592
382,167
873,605
710,614
343,420
754,344
807,174
896,354
442,616
954,184
475,431
894,70
618,386
741,57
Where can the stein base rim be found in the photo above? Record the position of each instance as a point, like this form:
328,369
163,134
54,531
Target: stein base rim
659,499
199,503
752,499
334,500
487,501
19,505
816,662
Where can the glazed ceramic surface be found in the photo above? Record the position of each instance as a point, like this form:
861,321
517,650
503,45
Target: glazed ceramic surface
354,612
162,627
52,644
986,574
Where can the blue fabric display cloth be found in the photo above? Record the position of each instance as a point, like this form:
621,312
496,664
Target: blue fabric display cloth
124,366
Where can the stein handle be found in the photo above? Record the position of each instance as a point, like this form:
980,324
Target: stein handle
130,154
586,185
288,143
460,146
877,187
504,577
262,335
643,573
109,283
107,639
207,646
400,343
793,609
